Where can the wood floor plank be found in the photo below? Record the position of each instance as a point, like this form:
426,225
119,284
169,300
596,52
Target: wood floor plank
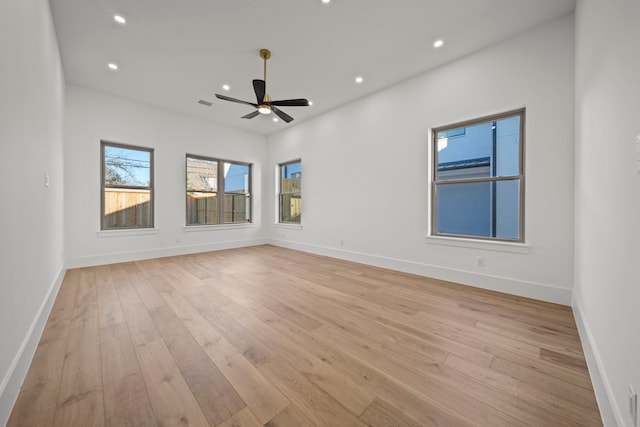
87,412
246,343
569,413
126,403
170,396
265,335
181,280
46,365
531,372
81,372
290,416
109,310
296,316
418,407
261,396
213,392
564,359
432,388
124,286
167,323
409,327
215,345
382,414
315,405
344,390
125,395
141,326
536,334
23,415
244,418
552,371
148,294
57,327
118,355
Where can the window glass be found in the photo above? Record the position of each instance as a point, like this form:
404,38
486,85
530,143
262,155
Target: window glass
237,202
202,191
210,180
126,187
478,178
290,194
486,149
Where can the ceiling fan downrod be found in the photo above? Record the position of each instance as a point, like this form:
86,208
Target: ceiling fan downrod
265,54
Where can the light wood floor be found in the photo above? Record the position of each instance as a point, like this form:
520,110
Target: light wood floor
269,336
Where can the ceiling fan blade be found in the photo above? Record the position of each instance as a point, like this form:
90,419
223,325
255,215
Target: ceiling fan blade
239,101
260,87
284,116
291,103
251,115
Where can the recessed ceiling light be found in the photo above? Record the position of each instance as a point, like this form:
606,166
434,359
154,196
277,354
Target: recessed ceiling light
438,43
275,119
326,1
310,103
112,66
119,19
359,79
226,87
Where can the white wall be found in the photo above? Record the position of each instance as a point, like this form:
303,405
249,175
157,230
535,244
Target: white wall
31,217
91,117
354,159
607,248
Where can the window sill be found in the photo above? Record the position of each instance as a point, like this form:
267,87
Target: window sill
498,246
127,232
216,227
288,226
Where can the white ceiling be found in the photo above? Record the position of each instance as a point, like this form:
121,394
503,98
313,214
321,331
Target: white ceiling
172,53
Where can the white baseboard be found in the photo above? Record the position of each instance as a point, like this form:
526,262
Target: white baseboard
12,382
609,411
112,258
522,288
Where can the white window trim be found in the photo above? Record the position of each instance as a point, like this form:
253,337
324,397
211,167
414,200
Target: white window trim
127,232
290,226
217,227
487,245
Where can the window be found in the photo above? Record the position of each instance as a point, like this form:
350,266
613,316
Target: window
478,178
218,191
127,186
289,193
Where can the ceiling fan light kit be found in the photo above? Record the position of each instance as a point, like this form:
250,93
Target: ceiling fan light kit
264,104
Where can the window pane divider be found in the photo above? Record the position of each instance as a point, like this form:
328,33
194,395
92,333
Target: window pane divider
483,179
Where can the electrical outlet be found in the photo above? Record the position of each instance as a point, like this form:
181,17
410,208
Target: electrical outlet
633,404
479,261
341,242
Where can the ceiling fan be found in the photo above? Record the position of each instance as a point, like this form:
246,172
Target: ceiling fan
264,104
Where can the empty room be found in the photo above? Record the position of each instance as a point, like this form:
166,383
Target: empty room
319,213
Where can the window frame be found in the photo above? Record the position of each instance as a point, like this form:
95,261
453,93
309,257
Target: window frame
103,186
220,214
280,193
435,182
